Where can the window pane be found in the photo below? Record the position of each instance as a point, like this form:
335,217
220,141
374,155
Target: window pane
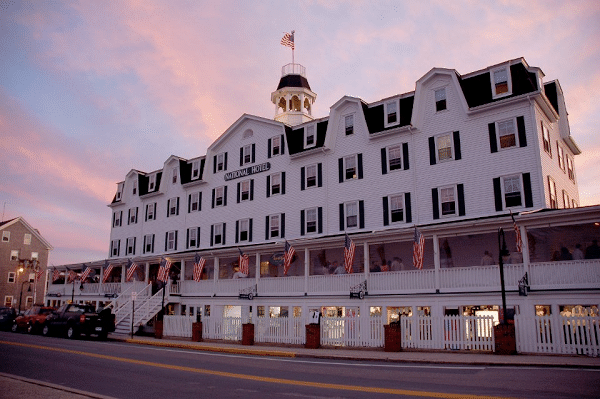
395,156
444,144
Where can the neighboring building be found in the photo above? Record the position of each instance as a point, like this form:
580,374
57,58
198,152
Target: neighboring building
23,253
454,157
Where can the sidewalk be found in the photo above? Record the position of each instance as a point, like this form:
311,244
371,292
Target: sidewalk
438,357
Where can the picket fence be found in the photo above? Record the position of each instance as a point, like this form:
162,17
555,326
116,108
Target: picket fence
558,334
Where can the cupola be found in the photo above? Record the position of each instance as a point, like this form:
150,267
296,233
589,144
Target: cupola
293,98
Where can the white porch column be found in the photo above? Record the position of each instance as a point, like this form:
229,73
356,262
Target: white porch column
147,273
436,261
366,262
216,276
257,268
123,273
182,271
306,269
525,250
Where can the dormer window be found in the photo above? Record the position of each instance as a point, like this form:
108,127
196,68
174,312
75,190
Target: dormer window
391,113
501,85
349,124
440,99
195,169
175,173
119,192
309,136
152,183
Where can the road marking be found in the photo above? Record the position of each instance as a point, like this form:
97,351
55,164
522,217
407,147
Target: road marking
356,388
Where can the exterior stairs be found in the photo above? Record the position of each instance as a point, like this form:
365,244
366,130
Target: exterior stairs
144,308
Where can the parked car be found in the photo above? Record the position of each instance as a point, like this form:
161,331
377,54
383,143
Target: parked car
74,319
33,319
7,316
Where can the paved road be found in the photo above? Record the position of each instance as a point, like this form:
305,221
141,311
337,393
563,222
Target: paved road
129,371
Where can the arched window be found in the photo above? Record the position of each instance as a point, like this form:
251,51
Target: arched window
295,104
281,105
307,105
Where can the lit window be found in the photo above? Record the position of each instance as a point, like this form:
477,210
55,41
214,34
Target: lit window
440,100
501,83
507,133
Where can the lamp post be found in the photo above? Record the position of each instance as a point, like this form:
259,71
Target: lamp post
21,294
502,252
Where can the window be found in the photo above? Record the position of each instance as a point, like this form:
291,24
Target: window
195,169
507,134
35,256
134,188
119,192
440,99
396,208
395,157
552,193
171,241
349,124
311,220
243,230
350,167
219,196
448,201
194,202
27,239
444,147
247,154
12,277
274,226
546,139
351,211
8,301
117,216
570,169
500,82
311,176
245,190
14,254
220,162
193,237
130,249
175,173
152,183
151,211
512,191
566,199
133,215
275,183
391,113
560,156
115,247
149,243
275,145
6,236
173,206
218,234
309,136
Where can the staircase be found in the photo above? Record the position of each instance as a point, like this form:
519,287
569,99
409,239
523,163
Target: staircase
146,307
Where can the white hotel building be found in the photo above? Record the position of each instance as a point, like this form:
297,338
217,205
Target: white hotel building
454,157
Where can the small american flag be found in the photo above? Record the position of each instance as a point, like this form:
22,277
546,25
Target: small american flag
288,40
131,268
55,274
163,271
198,267
86,273
72,276
349,248
418,249
244,262
107,270
287,257
519,242
39,274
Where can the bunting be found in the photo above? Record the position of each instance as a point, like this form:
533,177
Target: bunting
349,248
198,267
418,249
287,257
244,263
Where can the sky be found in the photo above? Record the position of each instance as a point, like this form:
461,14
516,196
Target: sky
92,89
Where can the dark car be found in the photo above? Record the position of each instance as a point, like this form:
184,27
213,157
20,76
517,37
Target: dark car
33,319
7,316
74,319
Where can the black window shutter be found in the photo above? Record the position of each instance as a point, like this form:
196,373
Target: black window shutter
168,207
302,177
405,156
269,148
213,198
241,156
497,194
177,212
386,219
302,219
166,240
212,231
238,192
225,196
360,166
128,216
251,189
384,161
200,201
527,190
282,144
224,230
215,164
435,202
237,231
198,238
341,169
320,219
268,186
320,175
282,221
145,217
144,246
521,130
342,224
176,240
266,227
493,142
282,183
189,203
187,239
225,166
460,188
253,152
250,230
361,214
136,214
152,249
407,208
134,242
121,219
432,150
457,153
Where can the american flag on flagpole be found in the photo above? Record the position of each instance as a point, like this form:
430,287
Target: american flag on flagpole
519,242
287,257
72,276
244,262
86,273
288,40
198,267
163,271
55,274
349,248
418,249
107,270
39,274
131,268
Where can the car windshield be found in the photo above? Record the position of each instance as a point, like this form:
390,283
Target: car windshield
80,308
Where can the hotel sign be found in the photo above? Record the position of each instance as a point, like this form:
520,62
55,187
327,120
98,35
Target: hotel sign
236,174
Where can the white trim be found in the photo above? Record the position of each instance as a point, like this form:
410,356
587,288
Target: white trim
508,92
395,101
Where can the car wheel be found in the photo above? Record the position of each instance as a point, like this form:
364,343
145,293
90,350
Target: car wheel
15,327
46,330
30,328
72,332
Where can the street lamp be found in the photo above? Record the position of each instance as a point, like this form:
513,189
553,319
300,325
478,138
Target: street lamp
502,252
21,294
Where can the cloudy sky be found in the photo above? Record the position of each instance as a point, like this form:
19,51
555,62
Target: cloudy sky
92,89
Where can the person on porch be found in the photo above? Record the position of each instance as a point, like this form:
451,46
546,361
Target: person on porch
487,259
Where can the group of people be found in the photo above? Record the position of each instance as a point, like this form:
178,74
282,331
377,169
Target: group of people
393,265
591,252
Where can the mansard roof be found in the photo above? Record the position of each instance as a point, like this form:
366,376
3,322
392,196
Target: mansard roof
293,81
